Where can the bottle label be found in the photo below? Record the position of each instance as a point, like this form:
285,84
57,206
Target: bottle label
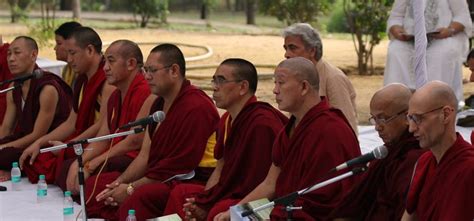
16,179
42,192
68,211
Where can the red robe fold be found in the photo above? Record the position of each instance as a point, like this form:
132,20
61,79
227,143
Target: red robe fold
4,75
46,163
27,115
121,111
381,194
443,191
177,147
321,141
246,146
91,88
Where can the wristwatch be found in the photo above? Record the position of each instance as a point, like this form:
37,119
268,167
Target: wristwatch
130,189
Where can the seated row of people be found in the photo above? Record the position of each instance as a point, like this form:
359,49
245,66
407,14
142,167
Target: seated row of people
259,152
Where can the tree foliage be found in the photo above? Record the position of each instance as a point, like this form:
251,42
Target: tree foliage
148,9
292,11
367,21
18,9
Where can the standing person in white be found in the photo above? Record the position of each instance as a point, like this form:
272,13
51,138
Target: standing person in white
448,24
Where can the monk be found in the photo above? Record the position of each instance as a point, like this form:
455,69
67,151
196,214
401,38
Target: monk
381,194
245,139
123,62
34,108
316,139
441,187
301,40
61,34
90,96
175,146
4,75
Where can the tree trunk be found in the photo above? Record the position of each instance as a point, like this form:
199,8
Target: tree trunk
76,9
250,12
239,5
204,11
228,5
65,5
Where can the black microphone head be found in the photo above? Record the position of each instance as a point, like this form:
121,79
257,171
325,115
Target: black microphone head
380,152
37,73
158,116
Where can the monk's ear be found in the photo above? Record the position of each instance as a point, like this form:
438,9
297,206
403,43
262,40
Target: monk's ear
90,49
244,87
447,113
34,55
305,87
175,70
131,64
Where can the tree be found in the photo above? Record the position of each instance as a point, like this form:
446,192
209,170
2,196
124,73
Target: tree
367,22
151,8
76,9
250,12
45,30
292,11
18,9
206,6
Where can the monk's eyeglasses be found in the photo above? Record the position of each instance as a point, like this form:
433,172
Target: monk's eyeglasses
417,118
151,70
218,81
375,120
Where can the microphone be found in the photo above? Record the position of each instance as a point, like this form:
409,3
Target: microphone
158,116
378,153
37,73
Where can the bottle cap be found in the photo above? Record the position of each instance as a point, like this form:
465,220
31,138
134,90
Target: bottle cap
15,164
67,193
42,177
131,212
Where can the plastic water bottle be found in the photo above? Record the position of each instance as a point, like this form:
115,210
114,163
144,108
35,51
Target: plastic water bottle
41,189
16,176
68,207
131,215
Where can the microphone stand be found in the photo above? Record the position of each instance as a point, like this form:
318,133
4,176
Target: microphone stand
289,199
15,86
78,150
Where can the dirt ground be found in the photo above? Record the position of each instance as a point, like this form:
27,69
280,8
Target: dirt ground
263,50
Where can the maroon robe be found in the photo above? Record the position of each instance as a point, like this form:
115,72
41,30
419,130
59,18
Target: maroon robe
246,146
321,141
177,146
381,194
27,115
4,75
443,191
119,112
122,111
46,163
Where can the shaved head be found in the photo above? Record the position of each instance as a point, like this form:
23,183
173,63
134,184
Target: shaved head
387,109
303,69
435,94
393,96
128,49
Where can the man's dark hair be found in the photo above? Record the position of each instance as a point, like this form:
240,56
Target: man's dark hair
129,49
86,36
243,70
65,30
470,55
171,54
30,42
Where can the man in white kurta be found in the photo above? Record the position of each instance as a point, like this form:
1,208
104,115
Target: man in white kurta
448,24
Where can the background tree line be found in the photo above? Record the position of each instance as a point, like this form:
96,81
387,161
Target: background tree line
365,20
